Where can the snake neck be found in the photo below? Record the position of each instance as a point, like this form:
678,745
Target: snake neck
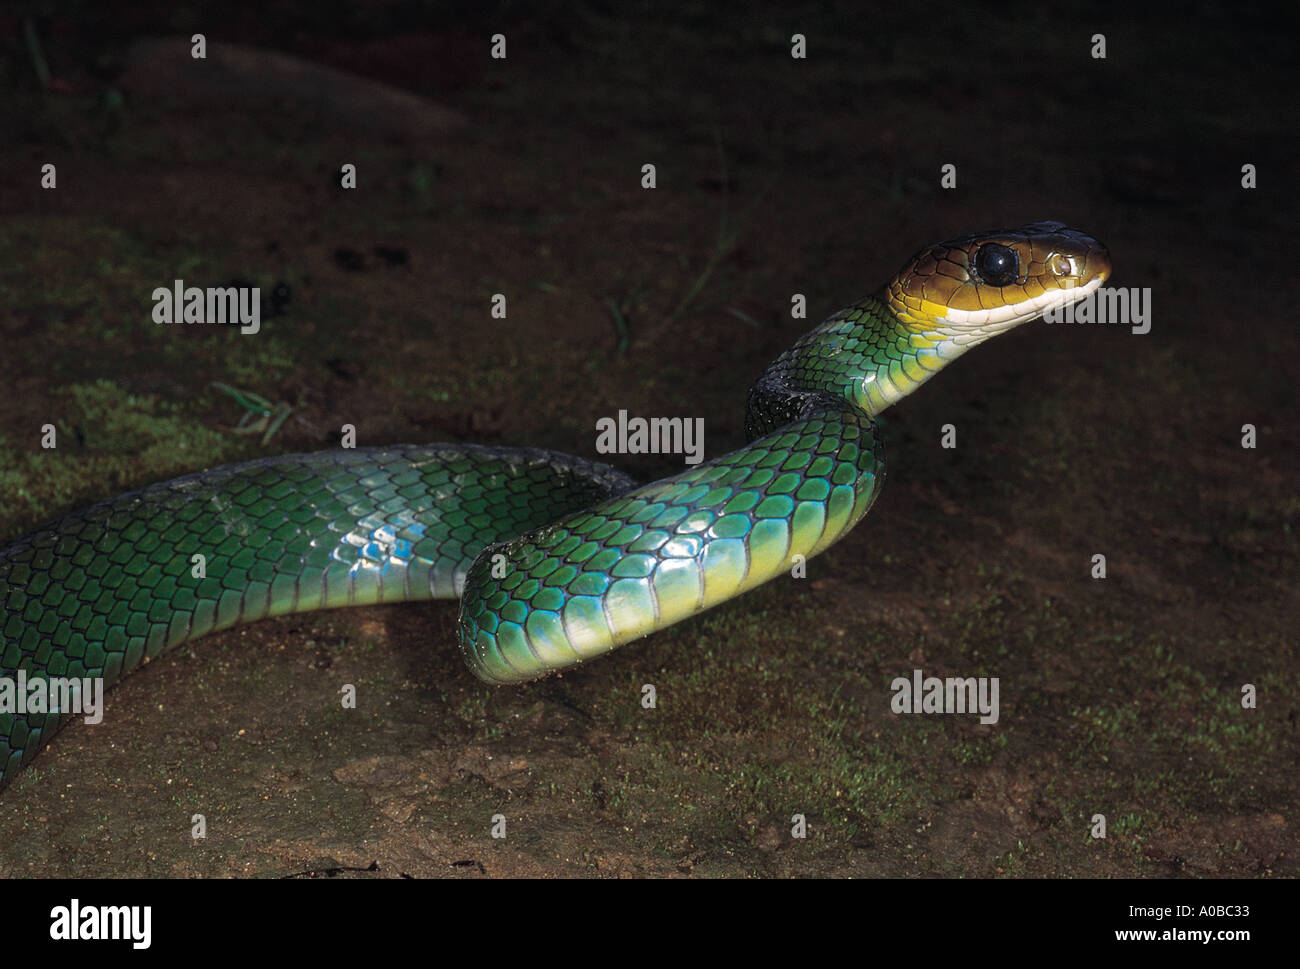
864,355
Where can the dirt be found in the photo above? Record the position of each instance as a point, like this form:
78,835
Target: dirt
1120,696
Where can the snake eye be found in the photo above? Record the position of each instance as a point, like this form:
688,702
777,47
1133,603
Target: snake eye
997,265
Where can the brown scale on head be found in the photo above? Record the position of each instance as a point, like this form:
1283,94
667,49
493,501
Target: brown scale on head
982,284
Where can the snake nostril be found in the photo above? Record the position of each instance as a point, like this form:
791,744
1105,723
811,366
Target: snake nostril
1060,264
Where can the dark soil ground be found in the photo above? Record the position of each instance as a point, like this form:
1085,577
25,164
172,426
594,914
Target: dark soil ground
1119,696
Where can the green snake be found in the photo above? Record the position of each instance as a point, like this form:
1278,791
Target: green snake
556,559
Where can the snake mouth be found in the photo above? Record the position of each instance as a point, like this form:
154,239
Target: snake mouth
969,328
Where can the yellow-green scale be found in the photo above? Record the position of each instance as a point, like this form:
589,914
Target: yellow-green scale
586,584
613,573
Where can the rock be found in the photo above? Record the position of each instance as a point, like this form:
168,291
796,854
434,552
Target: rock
235,74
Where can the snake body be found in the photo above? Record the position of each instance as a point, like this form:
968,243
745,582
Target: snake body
556,559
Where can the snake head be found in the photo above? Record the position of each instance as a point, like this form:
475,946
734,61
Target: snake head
959,293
